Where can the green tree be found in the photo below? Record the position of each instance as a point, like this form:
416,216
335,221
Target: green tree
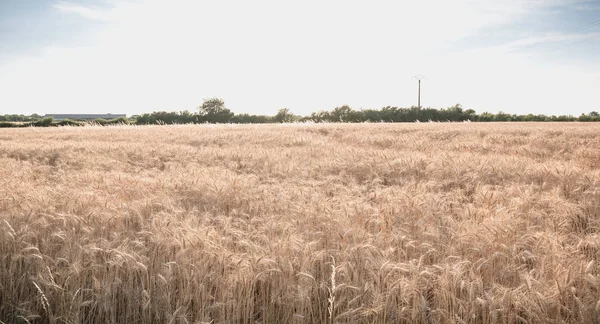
454,113
371,115
251,119
502,117
284,116
320,116
470,114
486,117
213,110
343,114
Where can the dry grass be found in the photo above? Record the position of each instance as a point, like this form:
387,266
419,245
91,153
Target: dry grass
412,223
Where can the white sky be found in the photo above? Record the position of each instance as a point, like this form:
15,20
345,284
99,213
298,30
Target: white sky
260,56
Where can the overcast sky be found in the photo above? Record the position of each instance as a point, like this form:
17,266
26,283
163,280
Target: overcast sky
120,56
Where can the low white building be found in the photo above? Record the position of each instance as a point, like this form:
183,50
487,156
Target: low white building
59,117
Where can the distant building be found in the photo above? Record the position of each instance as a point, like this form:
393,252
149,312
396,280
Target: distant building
59,117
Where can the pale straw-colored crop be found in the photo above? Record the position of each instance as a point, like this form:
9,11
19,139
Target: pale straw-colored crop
362,223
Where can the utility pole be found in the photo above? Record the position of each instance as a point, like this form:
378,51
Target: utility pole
419,77
419,94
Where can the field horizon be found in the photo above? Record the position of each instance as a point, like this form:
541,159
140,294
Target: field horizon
301,223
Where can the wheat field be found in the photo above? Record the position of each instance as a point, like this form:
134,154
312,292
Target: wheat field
301,223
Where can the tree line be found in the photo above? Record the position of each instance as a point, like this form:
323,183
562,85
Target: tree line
214,111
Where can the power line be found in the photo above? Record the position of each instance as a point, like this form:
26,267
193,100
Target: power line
597,36
569,32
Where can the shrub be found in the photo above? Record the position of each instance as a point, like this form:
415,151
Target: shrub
7,125
68,122
44,122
